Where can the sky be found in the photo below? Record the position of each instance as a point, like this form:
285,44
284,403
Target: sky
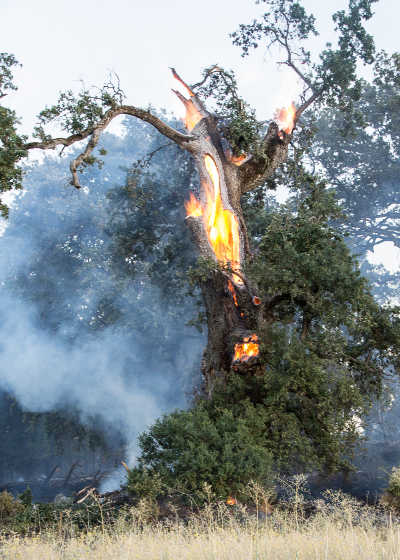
60,43
65,42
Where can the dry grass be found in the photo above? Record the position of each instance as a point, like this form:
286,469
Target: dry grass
240,544
339,529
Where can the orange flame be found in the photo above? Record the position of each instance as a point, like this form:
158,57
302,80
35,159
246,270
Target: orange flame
247,349
193,116
193,207
285,118
221,225
231,501
238,160
232,290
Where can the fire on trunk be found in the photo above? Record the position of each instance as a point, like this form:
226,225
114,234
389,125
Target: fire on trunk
221,225
247,349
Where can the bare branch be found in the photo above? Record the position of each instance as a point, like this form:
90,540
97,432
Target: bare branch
308,102
214,69
289,61
95,132
257,169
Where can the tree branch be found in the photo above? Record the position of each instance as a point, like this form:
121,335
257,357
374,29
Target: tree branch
308,102
215,68
257,169
94,133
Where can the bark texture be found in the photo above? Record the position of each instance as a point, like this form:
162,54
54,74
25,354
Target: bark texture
234,311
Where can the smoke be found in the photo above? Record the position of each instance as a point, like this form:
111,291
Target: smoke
45,373
140,362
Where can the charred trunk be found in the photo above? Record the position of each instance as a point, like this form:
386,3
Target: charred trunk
234,310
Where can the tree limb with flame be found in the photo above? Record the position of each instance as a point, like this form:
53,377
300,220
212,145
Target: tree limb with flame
234,154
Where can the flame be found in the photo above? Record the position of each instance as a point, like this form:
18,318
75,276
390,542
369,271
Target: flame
232,290
221,225
285,118
238,160
192,117
193,207
246,349
193,114
231,501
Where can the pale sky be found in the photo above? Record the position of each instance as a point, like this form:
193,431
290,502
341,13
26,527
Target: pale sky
62,42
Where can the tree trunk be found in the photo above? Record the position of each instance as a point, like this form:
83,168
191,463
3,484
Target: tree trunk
234,311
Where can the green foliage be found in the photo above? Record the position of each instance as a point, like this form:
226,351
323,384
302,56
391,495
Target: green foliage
78,112
391,496
236,119
325,347
394,483
333,80
314,284
327,344
11,143
7,61
29,519
185,451
9,507
26,497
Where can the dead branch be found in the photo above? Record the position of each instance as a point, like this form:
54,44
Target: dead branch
71,470
95,132
256,170
51,474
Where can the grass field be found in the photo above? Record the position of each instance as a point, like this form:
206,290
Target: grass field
338,529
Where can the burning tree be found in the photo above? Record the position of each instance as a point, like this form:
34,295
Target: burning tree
296,346
233,152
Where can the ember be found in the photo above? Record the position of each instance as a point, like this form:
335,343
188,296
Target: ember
230,501
232,291
285,118
247,349
238,160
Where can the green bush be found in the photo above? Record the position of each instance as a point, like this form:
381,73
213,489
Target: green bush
9,507
391,496
187,452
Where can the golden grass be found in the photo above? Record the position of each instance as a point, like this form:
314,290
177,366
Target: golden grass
224,544
339,530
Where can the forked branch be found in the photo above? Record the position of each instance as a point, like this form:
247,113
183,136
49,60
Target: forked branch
94,134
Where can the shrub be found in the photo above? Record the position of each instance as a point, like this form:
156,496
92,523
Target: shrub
9,507
186,452
391,496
